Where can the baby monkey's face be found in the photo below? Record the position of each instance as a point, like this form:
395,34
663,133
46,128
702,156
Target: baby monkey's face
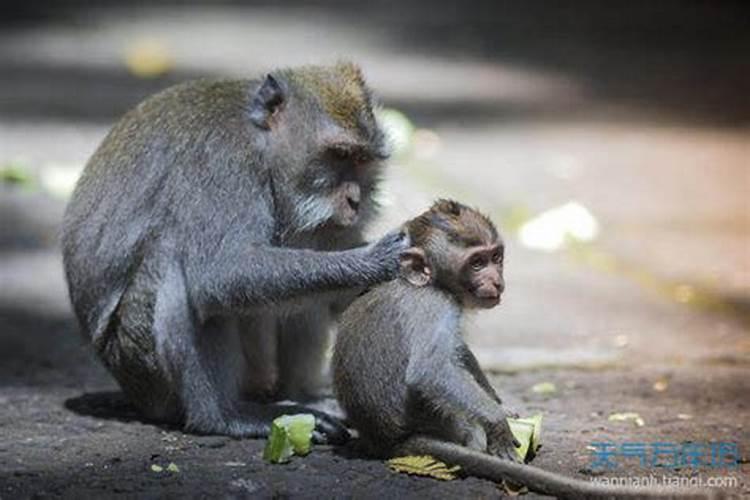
481,275
458,250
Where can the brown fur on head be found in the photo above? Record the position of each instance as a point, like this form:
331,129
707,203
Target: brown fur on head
340,90
458,249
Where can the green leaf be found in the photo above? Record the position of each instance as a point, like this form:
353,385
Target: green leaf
528,432
299,428
290,435
15,173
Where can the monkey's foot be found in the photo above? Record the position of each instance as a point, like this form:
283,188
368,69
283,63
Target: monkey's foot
256,419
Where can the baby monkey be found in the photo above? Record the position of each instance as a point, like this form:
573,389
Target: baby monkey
401,366
407,380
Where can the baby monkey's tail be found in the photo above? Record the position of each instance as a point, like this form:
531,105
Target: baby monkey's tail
496,469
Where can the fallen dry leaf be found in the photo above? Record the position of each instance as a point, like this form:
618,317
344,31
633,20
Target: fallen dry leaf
424,465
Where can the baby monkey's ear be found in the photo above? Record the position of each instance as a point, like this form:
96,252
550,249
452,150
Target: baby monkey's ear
414,267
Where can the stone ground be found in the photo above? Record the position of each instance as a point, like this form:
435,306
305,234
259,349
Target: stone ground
639,114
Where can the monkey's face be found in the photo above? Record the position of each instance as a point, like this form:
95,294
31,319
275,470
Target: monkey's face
349,173
481,275
336,185
322,134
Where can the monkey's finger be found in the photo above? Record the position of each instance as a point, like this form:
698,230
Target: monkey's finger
399,237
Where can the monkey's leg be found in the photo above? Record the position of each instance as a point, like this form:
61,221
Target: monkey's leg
303,340
201,362
453,428
171,367
208,367
457,392
258,335
151,347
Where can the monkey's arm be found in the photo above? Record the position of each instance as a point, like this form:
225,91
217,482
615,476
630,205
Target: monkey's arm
471,364
453,388
240,278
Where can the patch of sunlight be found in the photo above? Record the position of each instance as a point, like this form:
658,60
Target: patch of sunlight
148,58
398,129
60,179
552,229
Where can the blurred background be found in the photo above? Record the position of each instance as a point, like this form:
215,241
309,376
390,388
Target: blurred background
609,140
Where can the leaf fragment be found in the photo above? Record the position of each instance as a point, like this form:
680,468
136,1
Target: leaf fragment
290,435
148,58
299,428
661,385
16,173
627,416
528,432
544,388
424,465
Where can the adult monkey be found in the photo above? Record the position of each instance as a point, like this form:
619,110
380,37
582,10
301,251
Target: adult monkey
210,235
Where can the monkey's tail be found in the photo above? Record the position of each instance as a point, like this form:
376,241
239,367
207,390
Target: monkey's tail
496,469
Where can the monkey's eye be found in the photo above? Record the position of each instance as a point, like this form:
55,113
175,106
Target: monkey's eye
340,154
361,158
477,263
497,257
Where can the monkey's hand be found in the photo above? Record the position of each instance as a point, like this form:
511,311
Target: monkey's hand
501,442
385,255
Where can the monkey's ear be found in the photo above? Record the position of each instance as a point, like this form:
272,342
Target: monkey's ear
414,267
266,102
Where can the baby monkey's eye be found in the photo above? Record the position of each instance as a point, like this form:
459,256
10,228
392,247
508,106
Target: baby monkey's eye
477,263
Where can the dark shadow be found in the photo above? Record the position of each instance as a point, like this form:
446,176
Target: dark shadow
738,306
108,405
682,61
111,405
29,220
354,449
38,348
102,94
98,95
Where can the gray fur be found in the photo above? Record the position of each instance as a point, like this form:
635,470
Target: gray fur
391,342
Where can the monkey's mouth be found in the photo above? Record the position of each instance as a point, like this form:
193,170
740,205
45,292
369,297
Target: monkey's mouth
488,301
346,218
346,215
